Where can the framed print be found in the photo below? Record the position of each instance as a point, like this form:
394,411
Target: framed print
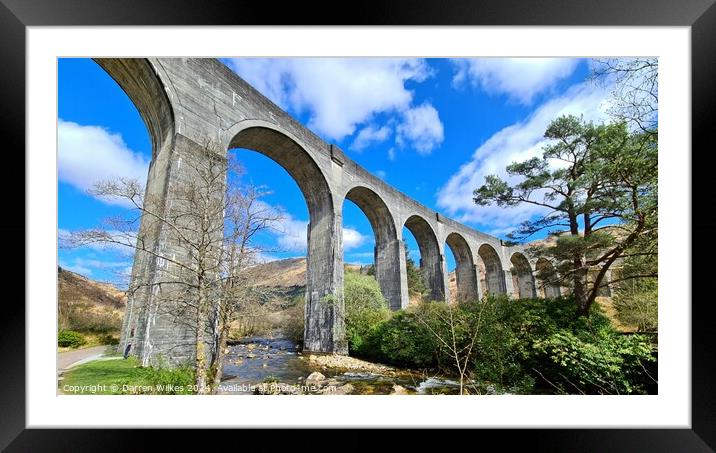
440,217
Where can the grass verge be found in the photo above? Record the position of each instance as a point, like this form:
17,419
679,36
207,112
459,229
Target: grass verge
126,377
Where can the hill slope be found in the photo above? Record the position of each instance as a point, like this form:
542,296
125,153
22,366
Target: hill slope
88,306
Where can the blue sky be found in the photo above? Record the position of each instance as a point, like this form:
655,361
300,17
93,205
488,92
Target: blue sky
433,128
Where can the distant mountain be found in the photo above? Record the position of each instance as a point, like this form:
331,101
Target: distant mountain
290,272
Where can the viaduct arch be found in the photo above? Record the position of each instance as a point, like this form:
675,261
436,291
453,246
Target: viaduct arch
185,102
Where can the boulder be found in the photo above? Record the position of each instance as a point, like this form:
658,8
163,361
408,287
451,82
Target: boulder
315,378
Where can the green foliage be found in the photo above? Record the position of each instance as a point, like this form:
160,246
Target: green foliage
416,279
522,346
636,305
601,363
171,380
70,339
544,341
365,310
404,341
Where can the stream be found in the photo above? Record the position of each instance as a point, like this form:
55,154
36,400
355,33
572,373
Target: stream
256,360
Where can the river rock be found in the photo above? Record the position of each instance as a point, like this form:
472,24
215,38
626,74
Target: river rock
399,390
315,378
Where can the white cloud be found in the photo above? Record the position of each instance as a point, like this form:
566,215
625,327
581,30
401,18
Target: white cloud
100,264
381,174
515,143
519,78
87,154
76,268
369,135
421,128
339,94
352,239
391,154
291,234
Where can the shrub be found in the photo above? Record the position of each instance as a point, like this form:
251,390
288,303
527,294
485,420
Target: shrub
405,342
636,305
70,339
109,339
365,311
172,381
294,324
543,341
417,283
522,346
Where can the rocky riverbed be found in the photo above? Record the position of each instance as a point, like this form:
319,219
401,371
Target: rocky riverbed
276,366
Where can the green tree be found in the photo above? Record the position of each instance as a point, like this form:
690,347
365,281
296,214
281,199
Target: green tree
416,279
366,309
597,184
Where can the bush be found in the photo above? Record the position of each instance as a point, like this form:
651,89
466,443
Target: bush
172,380
294,324
543,341
70,339
522,346
636,304
109,339
365,311
405,342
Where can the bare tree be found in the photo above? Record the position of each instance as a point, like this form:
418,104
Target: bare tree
208,232
456,333
635,93
246,216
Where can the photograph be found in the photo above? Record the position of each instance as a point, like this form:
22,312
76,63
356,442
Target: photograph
357,226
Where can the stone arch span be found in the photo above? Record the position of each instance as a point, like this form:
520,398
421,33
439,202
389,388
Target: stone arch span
465,271
387,253
140,80
494,276
522,278
323,277
184,101
431,260
546,278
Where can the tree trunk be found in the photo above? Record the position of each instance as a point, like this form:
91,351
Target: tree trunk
217,367
580,290
201,320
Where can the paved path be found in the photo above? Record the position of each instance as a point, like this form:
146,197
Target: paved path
69,358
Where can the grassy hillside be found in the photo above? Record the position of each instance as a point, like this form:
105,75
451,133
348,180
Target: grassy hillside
92,308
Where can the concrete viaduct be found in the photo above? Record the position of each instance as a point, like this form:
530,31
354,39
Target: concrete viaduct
183,101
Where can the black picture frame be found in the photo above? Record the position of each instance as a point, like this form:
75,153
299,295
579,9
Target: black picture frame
16,15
